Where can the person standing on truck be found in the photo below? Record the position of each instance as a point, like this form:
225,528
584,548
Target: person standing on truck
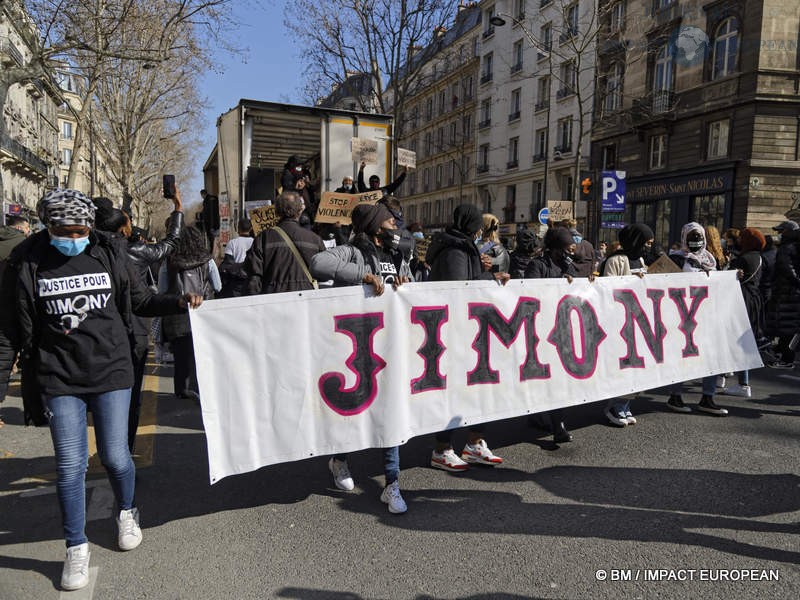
375,182
347,186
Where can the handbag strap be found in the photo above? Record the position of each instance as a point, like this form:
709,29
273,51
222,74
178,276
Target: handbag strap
297,256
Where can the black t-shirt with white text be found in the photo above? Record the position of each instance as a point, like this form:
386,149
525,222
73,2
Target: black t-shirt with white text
388,268
84,346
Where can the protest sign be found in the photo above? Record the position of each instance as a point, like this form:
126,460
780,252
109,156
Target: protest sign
407,158
365,150
559,210
263,218
336,208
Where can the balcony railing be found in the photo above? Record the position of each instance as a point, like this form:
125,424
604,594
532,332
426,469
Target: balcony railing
484,124
537,158
541,106
568,35
513,116
516,67
562,149
486,78
662,101
543,3
9,53
512,164
22,153
564,92
488,33
483,168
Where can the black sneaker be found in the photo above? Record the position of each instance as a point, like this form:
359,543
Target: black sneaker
707,405
779,364
675,402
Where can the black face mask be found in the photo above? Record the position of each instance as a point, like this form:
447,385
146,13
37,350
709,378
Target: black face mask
698,245
390,238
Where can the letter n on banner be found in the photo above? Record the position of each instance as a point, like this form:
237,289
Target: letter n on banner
635,315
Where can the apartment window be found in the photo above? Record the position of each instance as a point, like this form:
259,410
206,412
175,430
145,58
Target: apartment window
571,21
426,212
483,157
451,174
454,95
440,139
516,56
519,9
429,109
486,112
488,28
439,172
726,48
568,76
426,180
414,117
546,36
466,175
618,16
567,187
565,135
718,139
437,211
538,194
467,85
453,128
412,183
513,153
659,4
428,144
658,151
66,156
610,157
66,130
543,93
510,209
466,127
515,105
540,150
613,99
488,69
442,102
662,74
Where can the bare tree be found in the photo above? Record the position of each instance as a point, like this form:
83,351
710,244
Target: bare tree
375,37
90,36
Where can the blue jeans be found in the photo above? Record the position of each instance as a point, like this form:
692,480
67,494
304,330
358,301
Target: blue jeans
709,386
391,463
68,428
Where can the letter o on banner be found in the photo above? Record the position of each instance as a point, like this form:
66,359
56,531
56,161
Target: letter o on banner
591,336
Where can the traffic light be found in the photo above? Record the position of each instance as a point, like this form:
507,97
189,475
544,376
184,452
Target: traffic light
586,186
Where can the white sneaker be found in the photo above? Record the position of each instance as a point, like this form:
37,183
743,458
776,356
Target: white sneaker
76,568
391,496
448,461
737,390
630,418
130,535
479,453
341,474
616,418
721,382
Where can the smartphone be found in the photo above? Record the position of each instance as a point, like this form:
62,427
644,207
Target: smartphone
169,186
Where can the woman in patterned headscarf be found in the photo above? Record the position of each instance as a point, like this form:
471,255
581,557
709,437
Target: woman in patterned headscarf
66,301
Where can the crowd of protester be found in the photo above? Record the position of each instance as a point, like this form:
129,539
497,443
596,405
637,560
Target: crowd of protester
64,333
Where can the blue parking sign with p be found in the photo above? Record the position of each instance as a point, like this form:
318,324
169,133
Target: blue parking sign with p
613,199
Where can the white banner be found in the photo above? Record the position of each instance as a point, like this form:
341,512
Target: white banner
289,376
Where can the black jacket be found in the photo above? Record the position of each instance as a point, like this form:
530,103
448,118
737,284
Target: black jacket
783,310
19,318
271,265
453,256
545,267
386,190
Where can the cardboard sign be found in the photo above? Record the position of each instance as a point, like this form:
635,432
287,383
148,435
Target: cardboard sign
559,210
406,158
336,208
263,218
422,248
664,264
364,150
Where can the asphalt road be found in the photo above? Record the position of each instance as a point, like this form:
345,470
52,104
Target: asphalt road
677,506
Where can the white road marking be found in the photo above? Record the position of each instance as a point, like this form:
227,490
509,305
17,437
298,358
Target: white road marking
792,377
101,504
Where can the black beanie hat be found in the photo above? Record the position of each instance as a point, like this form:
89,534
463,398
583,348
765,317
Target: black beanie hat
467,219
367,218
558,238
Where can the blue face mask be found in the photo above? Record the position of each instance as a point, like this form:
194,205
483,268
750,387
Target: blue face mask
577,239
418,235
69,246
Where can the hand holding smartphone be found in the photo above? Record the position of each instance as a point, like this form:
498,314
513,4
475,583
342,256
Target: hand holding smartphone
169,186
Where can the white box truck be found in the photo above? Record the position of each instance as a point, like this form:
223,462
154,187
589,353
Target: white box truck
255,139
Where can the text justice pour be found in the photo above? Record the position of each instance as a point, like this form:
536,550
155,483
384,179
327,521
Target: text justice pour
580,363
